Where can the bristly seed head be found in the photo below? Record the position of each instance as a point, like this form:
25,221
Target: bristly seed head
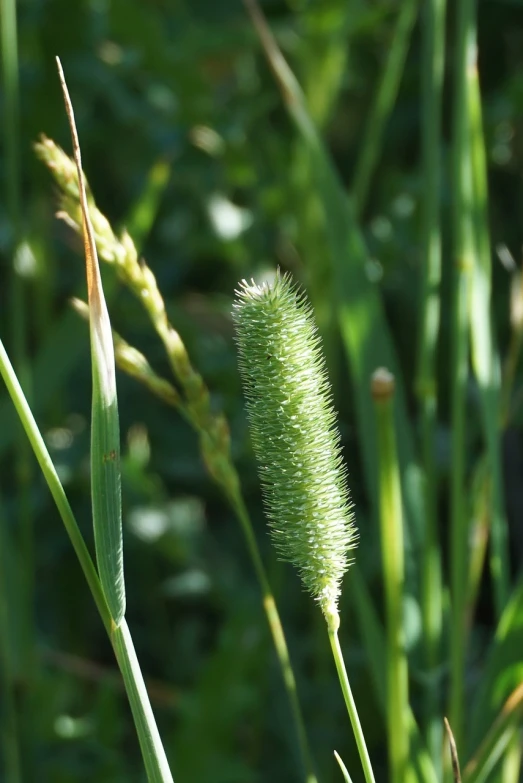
294,434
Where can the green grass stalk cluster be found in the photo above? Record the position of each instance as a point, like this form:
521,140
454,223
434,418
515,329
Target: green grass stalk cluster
193,400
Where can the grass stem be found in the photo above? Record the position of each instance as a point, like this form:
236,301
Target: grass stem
392,551
351,705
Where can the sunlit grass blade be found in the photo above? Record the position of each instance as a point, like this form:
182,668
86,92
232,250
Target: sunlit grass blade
505,729
372,136
154,757
485,359
105,427
433,59
391,526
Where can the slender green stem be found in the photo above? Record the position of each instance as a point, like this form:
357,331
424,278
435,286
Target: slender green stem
383,104
464,249
278,635
350,704
155,760
53,482
392,547
433,57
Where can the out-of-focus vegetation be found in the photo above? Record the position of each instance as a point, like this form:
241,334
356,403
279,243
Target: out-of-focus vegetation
189,144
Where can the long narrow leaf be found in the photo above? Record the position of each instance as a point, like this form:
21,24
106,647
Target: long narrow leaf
105,430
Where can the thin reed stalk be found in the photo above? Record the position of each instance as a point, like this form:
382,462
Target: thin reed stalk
463,257
433,58
351,705
391,525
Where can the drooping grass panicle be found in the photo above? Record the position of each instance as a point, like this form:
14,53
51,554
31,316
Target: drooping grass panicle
294,434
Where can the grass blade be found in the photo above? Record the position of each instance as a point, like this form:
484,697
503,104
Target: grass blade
105,430
485,361
144,212
505,729
344,771
383,104
391,526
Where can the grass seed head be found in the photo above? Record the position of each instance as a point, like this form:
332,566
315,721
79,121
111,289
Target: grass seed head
294,434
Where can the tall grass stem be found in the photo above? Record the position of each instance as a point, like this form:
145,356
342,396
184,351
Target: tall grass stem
391,525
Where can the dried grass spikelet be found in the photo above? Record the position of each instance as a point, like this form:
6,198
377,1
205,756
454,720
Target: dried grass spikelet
294,434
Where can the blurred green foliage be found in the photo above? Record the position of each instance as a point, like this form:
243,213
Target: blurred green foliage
186,141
